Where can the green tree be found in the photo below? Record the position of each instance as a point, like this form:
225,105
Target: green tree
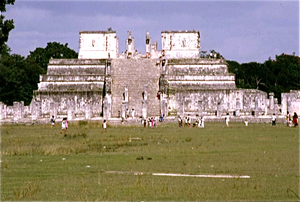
5,25
55,50
19,76
278,76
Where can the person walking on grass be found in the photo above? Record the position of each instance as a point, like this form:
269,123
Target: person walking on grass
288,119
52,122
104,125
179,121
64,126
227,119
273,120
295,119
189,120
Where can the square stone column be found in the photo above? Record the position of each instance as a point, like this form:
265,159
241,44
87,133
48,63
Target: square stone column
2,111
200,108
88,111
238,107
219,109
256,107
124,107
53,109
276,108
18,110
36,110
144,109
107,107
271,100
145,102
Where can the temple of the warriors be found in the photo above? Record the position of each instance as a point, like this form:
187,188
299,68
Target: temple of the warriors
172,81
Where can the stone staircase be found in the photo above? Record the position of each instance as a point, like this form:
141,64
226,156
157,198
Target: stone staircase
135,74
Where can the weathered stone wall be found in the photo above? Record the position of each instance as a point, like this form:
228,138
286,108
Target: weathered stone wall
290,102
71,87
219,102
196,74
59,103
204,86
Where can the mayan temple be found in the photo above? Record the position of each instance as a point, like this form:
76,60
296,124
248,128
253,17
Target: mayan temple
172,81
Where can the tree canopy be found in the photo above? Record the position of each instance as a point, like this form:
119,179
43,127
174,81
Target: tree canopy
5,25
56,50
278,76
19,75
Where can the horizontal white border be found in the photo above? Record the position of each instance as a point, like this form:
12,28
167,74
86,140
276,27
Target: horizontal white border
177,174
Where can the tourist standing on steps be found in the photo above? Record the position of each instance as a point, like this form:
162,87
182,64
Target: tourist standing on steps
227,119
295,119
52,122
273,120
104,125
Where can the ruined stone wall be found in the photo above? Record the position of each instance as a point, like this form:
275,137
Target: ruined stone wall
76,102
290,102
192,74
71,87
219,102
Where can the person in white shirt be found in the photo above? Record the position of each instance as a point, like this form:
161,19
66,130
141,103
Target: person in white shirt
132,113
273,120
104,125
227,119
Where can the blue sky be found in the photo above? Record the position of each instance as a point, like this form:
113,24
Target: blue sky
243,31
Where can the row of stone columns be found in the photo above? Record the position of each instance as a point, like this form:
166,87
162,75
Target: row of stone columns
273,105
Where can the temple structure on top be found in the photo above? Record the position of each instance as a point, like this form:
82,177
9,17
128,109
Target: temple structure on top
98,45
171,81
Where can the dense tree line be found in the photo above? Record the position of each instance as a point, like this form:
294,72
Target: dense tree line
19,75
278,76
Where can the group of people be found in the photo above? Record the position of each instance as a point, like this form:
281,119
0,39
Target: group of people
186,122
128,113
292,121
64,125
183,122
152,122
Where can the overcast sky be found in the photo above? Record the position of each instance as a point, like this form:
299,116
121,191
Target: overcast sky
243,31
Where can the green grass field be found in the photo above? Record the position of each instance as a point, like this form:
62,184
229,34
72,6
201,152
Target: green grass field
39,164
